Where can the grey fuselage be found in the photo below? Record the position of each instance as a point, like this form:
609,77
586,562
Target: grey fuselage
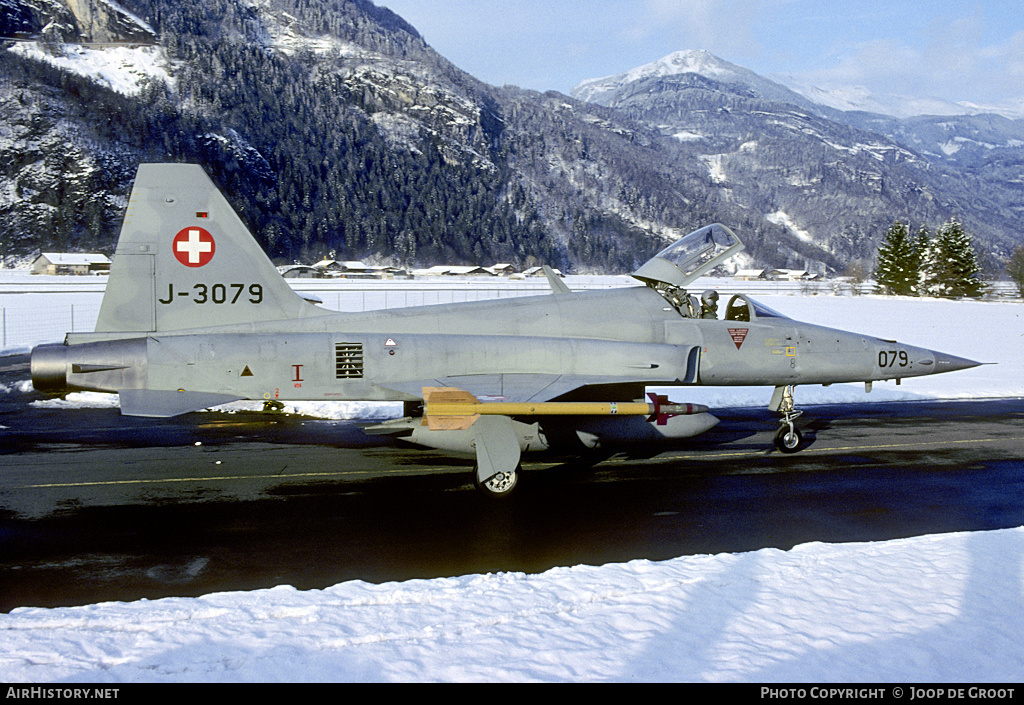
612,336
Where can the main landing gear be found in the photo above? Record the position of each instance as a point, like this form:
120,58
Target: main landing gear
497,455
499,485
789,439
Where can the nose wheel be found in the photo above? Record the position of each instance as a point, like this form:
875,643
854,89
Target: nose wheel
789,439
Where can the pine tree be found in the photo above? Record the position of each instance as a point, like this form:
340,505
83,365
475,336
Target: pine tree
1015,268
898,266
949,264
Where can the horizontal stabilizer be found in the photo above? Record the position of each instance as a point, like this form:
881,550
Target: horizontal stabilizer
554,281
159,403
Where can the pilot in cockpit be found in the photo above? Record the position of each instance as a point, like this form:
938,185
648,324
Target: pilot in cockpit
709,304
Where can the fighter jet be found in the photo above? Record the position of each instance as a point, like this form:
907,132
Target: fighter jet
195,315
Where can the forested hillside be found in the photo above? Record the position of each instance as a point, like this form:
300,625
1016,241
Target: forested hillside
333,128
836,178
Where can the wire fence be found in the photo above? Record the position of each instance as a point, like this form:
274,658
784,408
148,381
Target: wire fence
44,321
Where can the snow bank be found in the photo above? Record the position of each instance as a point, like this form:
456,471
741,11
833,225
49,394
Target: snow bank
928,609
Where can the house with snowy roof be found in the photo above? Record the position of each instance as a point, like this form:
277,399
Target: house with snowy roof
70,263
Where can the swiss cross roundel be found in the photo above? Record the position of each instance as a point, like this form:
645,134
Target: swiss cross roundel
193,246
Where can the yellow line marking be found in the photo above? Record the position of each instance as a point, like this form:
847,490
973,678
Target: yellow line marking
692,455
215,478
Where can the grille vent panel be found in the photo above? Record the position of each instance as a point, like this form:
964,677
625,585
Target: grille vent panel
348,360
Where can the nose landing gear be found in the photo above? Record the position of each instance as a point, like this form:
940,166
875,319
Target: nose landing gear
789,439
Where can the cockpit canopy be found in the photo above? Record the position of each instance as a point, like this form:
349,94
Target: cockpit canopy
690,257
743,308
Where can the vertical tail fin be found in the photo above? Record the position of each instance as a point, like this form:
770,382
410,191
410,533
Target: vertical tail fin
185,260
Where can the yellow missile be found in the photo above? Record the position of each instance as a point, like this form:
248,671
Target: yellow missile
450,408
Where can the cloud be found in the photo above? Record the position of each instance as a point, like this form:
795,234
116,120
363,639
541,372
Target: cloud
1009,56
946,60
723,27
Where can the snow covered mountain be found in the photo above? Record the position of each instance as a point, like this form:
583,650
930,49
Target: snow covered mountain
824,173
333,127
785,88
861,99
698,62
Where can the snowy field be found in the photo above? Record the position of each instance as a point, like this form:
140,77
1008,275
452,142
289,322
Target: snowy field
941,608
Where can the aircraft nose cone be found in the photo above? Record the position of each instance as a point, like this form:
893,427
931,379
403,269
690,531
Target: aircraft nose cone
951,363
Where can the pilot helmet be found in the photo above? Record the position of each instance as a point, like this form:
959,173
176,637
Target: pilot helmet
710,298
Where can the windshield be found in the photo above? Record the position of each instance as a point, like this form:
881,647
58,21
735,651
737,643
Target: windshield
690,257
763,311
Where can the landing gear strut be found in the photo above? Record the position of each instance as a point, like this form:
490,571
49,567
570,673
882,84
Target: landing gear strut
789,439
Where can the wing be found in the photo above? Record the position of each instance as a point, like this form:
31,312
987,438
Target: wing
538,387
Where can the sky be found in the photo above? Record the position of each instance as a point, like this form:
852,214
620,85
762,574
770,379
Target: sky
957,50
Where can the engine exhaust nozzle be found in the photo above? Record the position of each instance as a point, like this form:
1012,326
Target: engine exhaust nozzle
49,365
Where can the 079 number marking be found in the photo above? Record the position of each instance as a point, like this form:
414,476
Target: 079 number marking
217,294
889,358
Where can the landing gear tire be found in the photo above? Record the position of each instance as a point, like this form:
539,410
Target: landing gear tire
501,485
789,439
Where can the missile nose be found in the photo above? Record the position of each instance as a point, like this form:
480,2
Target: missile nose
951,363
